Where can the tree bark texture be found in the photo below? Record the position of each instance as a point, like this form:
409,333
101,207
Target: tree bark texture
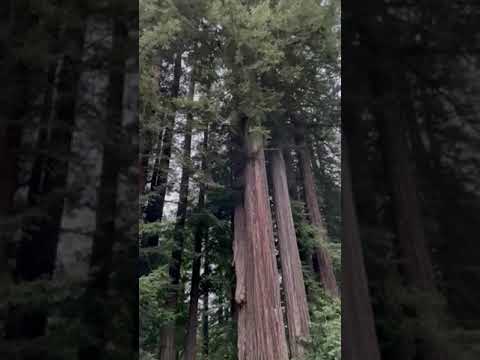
359,338
261,332
292,276
322,262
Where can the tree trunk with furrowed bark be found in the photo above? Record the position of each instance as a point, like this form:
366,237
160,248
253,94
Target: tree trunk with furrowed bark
261,331
322,262
293,282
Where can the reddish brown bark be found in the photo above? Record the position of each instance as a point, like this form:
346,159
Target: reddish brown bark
261,332
239,253
292,277
322,263
358,327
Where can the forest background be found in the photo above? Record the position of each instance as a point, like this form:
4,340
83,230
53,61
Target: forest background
240,130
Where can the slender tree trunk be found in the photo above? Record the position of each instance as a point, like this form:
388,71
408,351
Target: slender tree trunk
126,221
291,174
239,249
156,164
192,322
292,277
322,263
97,313
154,211
10,137
167,349
261,332
200,233
147,148
206,292
358,326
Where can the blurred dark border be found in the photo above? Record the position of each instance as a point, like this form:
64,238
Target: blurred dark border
69,179
411,194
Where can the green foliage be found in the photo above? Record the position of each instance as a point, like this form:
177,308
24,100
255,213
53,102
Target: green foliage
325,327
152,313
259,60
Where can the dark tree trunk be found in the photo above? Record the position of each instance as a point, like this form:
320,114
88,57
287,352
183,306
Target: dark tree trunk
97,311
291,173
358,325
147,148
206,292
167,349
200,233
10,137
410,227
292,277
154,211
156,163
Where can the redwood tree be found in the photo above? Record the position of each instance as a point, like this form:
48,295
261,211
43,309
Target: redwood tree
261,332
292,277
322,262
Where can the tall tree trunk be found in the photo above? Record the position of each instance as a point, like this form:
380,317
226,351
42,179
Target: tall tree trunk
154,211
206,293
86,153
410,227
167,349
322,262
411,236
261,332
97,314
146,152
156,163
240,259
293,283
192,322
200,233
358,326
10,137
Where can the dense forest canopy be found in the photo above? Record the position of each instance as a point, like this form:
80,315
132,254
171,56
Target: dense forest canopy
240,154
